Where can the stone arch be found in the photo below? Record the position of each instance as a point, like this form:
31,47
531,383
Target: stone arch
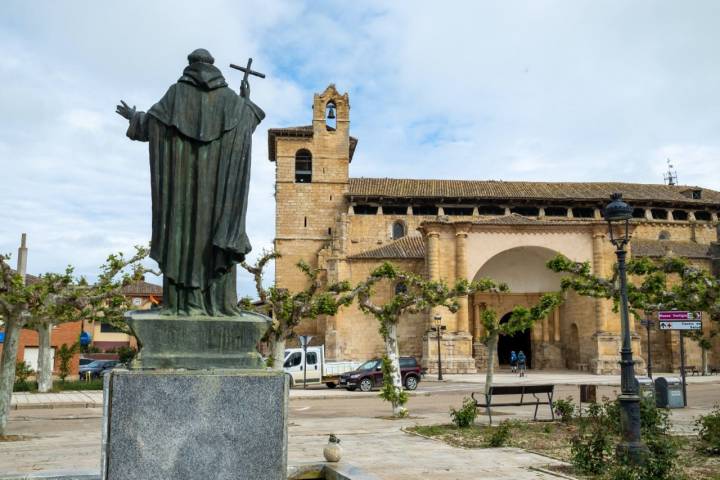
303,166
523,269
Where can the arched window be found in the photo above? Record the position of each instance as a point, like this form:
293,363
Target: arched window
303,166
398,230
664,235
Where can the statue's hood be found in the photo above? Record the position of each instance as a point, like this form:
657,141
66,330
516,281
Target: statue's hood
203,75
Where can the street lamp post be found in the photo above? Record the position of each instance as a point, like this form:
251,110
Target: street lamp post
438,330
618,214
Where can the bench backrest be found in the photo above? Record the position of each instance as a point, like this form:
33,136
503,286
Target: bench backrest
520,389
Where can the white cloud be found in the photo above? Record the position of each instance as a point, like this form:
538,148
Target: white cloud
534,90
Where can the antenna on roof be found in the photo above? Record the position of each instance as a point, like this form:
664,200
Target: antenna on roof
670,176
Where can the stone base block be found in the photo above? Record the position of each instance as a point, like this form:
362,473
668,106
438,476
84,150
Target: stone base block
481,356
224,424
456,351
549,356
197,342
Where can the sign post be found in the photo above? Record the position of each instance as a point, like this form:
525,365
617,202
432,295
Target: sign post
682,321
304,340
647,323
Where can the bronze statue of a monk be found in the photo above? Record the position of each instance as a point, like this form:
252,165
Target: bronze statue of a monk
199,136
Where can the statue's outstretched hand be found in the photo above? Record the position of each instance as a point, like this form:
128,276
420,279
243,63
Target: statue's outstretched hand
125,111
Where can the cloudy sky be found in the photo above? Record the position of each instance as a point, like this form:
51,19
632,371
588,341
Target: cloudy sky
513,90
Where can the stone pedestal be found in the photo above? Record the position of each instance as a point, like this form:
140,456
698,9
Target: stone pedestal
548,356
480,352
187,425
456,351
197,342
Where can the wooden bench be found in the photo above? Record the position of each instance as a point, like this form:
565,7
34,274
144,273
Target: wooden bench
521,390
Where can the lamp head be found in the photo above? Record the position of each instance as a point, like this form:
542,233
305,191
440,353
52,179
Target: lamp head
617,213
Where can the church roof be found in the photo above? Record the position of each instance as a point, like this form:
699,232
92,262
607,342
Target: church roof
502,190
406,247
304,131
659,248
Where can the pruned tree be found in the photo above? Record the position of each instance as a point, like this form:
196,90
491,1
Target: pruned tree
416,295
668,283
56,298
521,318
287,308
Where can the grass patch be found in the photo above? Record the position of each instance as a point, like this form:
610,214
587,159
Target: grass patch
552,439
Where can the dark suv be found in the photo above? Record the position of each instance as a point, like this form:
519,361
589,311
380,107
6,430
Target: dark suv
369,375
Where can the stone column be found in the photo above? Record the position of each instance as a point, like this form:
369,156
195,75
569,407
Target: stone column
461,274
546,329
556,325
478,331
433,265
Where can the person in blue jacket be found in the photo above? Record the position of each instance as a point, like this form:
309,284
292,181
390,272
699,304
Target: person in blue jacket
513,361
521,360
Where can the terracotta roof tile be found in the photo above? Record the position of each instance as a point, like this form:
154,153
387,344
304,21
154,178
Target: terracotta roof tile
502,190
659,248
305,131
142,288
406,247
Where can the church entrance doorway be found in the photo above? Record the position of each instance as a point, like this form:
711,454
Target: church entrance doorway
519,341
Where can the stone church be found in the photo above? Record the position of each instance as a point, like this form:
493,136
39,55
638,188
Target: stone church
451,229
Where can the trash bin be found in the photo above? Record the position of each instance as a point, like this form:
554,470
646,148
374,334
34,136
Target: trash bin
645,387
668,392
588,393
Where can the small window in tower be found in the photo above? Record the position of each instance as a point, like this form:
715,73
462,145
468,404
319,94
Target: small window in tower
330,116
398,230
305,223
303,166
400,288
330,231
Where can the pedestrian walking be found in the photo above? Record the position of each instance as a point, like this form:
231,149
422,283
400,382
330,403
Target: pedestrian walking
513,361
521,360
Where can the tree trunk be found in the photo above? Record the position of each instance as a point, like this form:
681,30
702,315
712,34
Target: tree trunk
7,368
393,353
277,349
491,350
705,366
45,361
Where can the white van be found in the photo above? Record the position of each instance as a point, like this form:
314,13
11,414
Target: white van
317,371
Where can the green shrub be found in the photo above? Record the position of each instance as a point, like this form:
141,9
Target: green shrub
22,372
66,354
126,354
564,409
465,416
500,434
590,450
709,431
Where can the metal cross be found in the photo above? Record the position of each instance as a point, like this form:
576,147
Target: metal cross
247,70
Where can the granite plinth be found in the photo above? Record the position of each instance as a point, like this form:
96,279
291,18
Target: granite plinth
198,342
188,425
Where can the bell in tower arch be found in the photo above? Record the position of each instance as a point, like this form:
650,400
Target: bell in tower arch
330,117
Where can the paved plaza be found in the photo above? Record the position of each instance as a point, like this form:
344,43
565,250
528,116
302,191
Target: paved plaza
67,437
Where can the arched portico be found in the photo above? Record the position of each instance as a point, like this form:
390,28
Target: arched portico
515,249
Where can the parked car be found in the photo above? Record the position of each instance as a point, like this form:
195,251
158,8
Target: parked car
96,368
85,361
369,375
